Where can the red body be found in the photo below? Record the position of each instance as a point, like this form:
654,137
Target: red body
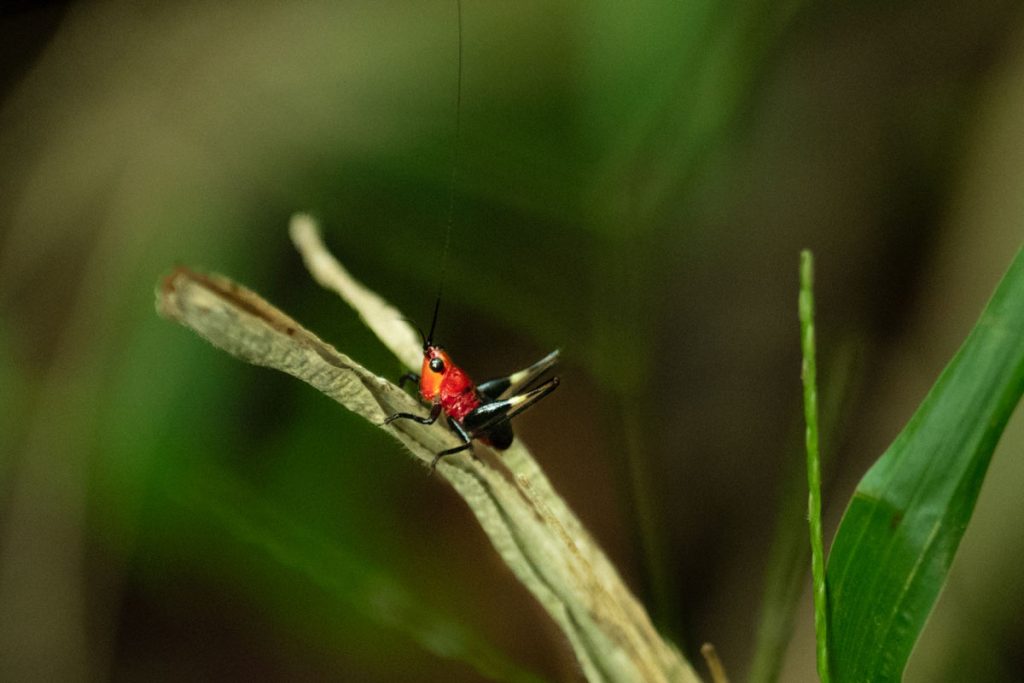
476,413
449,386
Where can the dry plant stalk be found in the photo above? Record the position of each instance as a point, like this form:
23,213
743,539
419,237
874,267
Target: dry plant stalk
531,527
715,665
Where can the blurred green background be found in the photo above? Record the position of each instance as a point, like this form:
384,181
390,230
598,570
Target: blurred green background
634,185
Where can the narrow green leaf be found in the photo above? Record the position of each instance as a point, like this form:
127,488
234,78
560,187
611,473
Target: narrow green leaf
898,536
810,379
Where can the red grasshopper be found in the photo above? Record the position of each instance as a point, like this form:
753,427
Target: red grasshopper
479,412
475,412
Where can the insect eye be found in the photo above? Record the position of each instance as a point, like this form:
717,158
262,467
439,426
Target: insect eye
436,365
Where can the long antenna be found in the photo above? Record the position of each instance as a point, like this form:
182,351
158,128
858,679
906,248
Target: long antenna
451,185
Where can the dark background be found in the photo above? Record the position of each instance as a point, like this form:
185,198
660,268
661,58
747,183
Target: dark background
634,186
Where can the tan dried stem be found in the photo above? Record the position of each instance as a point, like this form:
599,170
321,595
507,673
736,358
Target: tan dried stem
715,665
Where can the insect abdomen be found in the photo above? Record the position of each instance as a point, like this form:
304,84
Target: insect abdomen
500,436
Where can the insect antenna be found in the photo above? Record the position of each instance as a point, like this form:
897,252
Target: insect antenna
428,340
416,327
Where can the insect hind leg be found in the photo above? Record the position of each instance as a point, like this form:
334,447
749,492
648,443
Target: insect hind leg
517,382
491,421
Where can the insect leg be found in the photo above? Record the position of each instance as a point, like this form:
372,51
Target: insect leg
460,431
435,412
489,414
408,377
514,383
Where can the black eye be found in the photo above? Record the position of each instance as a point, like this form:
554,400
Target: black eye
436,365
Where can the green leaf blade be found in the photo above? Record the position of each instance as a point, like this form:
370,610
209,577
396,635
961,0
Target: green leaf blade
897,539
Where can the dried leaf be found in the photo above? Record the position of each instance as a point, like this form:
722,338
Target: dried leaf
530,526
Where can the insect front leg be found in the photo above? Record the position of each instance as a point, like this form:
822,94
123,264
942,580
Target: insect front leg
408,377
435,412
